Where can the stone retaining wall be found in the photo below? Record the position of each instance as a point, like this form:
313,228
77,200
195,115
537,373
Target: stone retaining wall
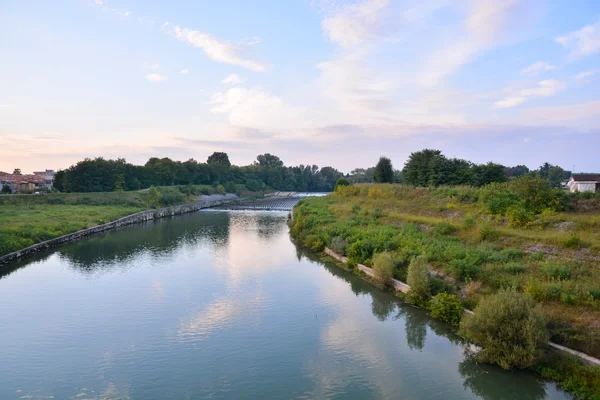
128,220
404,288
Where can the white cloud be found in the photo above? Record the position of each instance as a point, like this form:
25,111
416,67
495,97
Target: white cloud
353,24
257,109
215,49
233,79
545,88
487,22
156,77
586,77
151,66
537,68
184,71
584,42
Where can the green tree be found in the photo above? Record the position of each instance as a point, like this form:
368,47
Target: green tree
418,278
17,171
219,158
509,327
418,168
384,172
342,182
383,265
153,197
555,175
269,161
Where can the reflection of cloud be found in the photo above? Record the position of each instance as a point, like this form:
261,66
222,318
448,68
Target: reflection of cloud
218,315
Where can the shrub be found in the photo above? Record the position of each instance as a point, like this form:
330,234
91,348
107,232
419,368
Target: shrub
355,209
444,229
341,182
509,327
418,278
205,191
573,242
377,213
230,187
374,192
519,216
314,242
220,189
446,307
512,254
487,233
557,271
513,268
383,265
338,245
469,222
465,269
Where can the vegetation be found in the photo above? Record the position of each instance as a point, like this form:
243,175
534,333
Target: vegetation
474,250
383,265
100,175
509,327
446,307
418,278
384,172
27,220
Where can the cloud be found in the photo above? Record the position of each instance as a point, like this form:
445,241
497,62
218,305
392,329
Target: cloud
563,113
537,68
545,88
353,24
184,71
257,109
586,77
156,77
151,66
233,79
527,140
487,23
215,49
584,42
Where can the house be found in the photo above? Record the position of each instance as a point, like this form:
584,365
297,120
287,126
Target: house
48,178
23,183
584,183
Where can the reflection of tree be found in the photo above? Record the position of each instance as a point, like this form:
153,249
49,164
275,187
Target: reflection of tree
443,329
382,305
269,227
492,383
416,330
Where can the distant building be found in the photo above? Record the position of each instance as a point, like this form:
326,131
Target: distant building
584,183
23,183
48,178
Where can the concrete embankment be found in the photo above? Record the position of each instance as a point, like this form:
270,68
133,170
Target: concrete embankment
128,220
404,288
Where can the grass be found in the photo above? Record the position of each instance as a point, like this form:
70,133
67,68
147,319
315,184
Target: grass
29,219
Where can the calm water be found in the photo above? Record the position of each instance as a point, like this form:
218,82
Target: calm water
221,305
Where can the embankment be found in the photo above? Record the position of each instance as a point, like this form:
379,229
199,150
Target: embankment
128,220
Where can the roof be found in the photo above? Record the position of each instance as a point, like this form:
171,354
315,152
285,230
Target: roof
22,178
586,177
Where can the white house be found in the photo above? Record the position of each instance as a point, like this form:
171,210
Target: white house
584,183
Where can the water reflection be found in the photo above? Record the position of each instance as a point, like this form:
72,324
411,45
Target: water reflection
222,305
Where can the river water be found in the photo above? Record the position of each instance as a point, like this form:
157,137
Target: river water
222,305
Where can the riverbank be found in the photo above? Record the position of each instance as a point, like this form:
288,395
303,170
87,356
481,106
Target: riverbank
33,223
406,222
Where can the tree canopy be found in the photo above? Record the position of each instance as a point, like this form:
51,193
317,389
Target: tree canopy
384,172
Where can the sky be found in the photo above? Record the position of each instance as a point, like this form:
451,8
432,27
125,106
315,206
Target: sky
326,82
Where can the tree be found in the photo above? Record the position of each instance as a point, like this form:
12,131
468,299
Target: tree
17,171
418,278
269,161
383,265
384,172
555,175
509,327
5,189
518,170
418,168
342,182
219,158
488,173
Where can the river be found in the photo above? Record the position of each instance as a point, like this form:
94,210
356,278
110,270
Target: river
222,305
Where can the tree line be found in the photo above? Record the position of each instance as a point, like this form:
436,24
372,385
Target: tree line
268,171
431,168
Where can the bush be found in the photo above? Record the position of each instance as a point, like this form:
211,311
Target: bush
230,187
513,268
342,182
509,327
338,245
220,189
556,270
355,209
314,242
383,265
486,233
205,191
512,254
465,269
446,307
573,242
377,213
444,229
469,222
418,278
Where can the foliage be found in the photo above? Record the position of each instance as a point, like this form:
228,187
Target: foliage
446,307
418,278
384,172
219,158
342,182
509,327
338,245
572,375
383,265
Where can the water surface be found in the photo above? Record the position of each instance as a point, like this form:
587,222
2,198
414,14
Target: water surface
222,305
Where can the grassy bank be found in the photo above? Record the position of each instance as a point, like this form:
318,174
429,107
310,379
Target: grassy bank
29,219
477,242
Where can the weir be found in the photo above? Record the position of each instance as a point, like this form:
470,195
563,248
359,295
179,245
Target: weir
279,201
